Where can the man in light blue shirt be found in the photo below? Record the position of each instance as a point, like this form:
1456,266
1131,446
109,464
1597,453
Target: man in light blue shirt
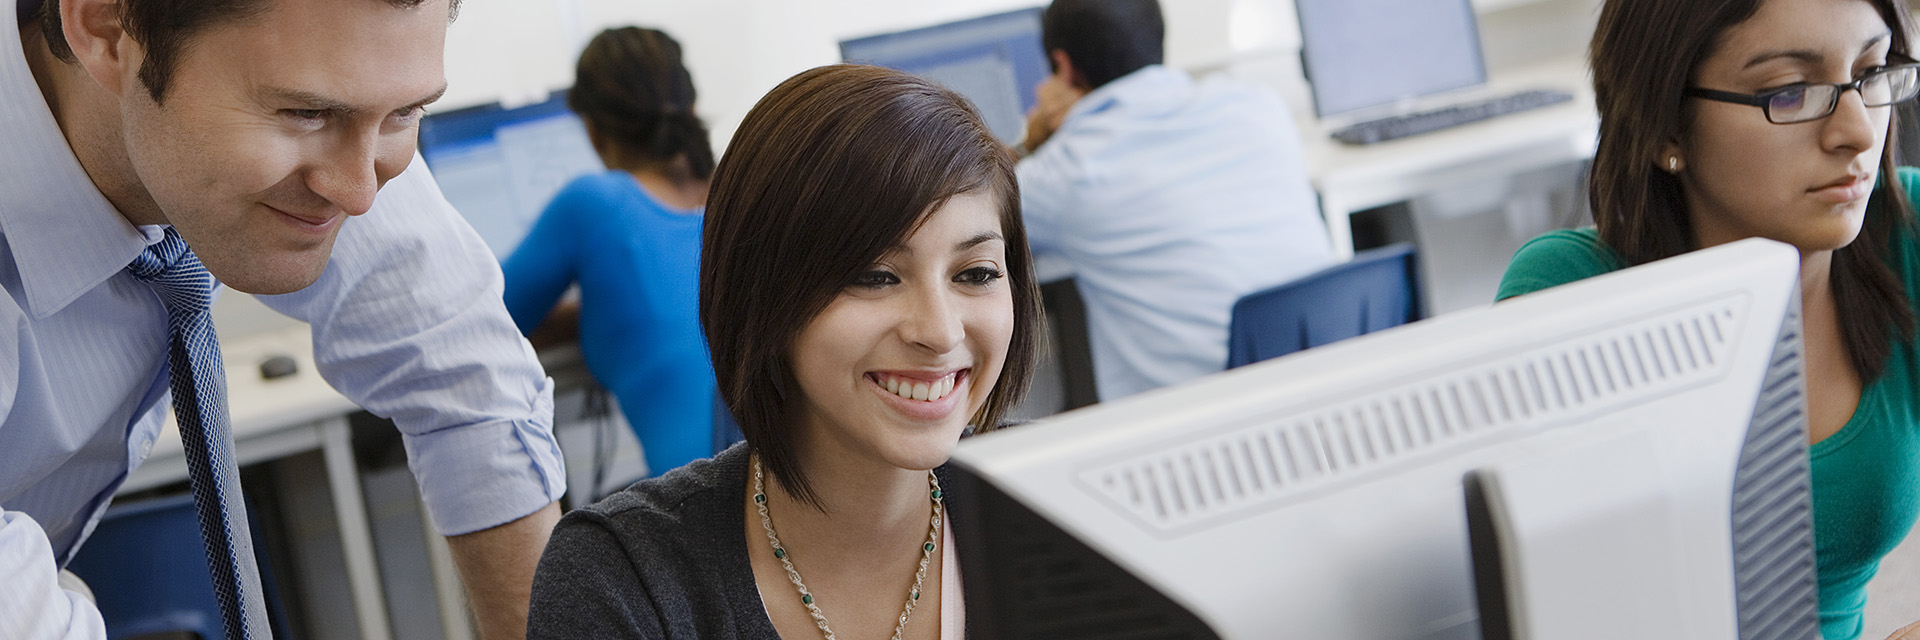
261,137
1164,197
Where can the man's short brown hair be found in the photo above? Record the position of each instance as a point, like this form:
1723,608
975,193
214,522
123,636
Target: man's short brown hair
165,28
829,171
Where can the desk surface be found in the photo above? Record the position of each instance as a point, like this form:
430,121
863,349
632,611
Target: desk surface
1351,178
259,407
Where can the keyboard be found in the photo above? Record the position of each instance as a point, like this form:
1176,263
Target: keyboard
1404,125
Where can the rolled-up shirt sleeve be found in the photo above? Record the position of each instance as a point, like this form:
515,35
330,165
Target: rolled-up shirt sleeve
408,322
32,604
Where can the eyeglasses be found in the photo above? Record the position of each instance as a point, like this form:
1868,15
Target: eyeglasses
1813,101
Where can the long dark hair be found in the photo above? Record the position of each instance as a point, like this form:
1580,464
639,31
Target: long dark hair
1643,56
828,172
632,88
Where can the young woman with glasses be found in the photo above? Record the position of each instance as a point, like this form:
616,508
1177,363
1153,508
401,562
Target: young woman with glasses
1770,118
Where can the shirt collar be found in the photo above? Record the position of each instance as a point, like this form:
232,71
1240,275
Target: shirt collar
65,237
1152,86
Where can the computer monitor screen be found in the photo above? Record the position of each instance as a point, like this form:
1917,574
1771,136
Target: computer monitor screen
995,61
1623,457
1367,53
500,166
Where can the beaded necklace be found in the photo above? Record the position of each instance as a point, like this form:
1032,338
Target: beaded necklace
793,575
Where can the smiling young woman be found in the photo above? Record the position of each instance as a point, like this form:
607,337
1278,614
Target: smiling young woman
868,298
1769,118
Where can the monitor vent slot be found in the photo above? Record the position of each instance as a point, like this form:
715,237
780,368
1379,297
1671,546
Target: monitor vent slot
1776,589
1269,461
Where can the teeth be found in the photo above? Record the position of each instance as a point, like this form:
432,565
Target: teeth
921,391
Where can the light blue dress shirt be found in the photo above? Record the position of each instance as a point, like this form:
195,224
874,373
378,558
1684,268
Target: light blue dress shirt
407,322
1167,200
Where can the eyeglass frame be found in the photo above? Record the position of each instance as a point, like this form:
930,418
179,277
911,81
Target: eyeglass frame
1764,100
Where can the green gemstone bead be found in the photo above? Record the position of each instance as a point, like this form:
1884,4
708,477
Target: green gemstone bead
779,553
916,594
936,494
760,498
806,599
929,547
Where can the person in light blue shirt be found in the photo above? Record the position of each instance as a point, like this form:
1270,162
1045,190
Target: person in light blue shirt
1166,198
630,237
278,142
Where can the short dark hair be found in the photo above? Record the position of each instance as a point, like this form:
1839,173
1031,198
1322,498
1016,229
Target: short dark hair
1644,54
632,88
165,28
1105,39
832,169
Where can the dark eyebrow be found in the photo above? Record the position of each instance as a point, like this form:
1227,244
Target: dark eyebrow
1810,57
963,245
430,99
977,239
316,101
308,99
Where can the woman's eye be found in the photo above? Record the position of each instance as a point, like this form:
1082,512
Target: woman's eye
1788,97
874,279
980,275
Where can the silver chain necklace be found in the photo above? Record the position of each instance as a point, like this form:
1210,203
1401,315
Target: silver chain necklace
793,575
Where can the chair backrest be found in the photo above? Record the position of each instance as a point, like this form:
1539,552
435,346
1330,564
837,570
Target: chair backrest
1377,289
147,568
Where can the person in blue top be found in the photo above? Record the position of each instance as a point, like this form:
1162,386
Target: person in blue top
630,237
1769,118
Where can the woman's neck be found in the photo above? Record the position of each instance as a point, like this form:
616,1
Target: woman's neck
672,183
1816,273
862,506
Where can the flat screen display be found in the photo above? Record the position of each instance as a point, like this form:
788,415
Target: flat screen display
995,61
499,167
1359,54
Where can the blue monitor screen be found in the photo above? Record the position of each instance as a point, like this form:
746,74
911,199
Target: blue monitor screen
500,166
1368,53
995,61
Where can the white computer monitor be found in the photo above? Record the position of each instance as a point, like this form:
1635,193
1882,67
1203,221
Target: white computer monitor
1623,457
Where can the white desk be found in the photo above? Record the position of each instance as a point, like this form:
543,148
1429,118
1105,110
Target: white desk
1352,178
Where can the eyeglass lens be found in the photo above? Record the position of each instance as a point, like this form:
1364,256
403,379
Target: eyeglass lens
1815,101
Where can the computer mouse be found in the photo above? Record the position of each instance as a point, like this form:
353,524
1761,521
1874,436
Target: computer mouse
278,366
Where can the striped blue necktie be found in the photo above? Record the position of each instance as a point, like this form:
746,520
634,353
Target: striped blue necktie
200,409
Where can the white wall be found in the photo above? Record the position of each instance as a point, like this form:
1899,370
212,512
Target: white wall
739,49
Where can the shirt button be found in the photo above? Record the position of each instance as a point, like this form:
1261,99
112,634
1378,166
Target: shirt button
146,447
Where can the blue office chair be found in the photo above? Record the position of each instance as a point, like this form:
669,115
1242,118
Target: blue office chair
147,568
1376,290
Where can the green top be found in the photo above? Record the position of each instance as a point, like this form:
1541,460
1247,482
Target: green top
1865,492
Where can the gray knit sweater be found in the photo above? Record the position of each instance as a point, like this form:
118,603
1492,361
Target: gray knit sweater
665,558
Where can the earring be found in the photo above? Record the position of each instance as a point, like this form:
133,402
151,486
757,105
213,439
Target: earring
1673,164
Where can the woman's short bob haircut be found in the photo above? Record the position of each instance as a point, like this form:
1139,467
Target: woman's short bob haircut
1644,55
832,169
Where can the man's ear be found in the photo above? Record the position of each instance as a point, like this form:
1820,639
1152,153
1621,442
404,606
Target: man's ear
1063,66
100,43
